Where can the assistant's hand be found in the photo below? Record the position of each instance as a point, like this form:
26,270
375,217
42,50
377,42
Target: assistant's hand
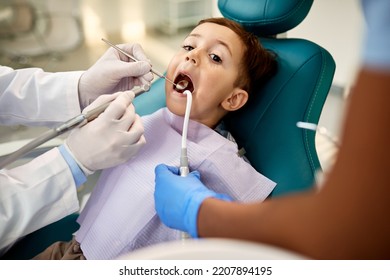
114,72
112,138
177,199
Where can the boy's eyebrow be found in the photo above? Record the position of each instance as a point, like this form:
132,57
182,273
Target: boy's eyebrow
219,41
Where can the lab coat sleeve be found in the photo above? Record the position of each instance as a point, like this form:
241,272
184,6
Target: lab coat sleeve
33,97
35,195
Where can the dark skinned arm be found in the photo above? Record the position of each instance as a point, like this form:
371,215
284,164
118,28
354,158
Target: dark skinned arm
348,217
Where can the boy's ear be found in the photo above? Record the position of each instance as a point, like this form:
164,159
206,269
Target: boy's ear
235,100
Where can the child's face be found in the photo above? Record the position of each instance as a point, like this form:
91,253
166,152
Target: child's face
209,59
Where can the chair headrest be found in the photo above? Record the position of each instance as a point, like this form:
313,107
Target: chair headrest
266,17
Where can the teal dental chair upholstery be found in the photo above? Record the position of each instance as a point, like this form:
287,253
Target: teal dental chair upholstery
265,127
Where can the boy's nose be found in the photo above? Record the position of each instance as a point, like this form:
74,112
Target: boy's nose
192,57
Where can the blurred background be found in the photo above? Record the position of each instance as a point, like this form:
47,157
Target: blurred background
65,35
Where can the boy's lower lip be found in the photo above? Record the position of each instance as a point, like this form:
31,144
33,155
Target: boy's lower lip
179,93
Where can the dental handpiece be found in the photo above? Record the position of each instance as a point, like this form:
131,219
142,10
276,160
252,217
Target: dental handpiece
78,121
94,113
179,86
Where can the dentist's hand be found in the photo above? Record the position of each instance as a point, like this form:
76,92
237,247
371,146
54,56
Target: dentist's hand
178,199
114,72
112,138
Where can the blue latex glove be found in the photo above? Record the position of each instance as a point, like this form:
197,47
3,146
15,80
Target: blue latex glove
377,41
177,199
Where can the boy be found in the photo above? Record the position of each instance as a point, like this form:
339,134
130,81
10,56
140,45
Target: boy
221,63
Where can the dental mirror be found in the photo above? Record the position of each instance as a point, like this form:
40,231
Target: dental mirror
182,85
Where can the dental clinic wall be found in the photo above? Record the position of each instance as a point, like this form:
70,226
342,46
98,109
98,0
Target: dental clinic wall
338,26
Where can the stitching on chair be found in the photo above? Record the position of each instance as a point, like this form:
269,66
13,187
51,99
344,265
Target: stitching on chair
281,18
265,8
305,133
260,119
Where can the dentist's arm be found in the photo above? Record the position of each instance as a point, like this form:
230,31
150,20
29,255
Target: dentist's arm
44,190
347,219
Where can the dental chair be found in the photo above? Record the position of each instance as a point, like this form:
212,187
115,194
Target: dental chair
266,126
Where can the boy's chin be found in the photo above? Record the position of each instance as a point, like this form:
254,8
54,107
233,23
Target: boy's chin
176,110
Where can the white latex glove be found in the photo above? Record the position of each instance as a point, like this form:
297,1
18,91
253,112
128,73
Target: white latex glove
112,138
114,72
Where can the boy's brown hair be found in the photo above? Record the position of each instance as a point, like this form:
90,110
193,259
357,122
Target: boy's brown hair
258,64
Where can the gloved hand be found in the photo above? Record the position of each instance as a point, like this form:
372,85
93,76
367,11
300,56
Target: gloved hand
177,199
114,72
375,45
112,138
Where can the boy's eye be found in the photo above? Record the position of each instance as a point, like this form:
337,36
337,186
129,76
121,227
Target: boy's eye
188,48
216,58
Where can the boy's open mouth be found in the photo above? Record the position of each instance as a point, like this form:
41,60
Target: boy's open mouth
184,83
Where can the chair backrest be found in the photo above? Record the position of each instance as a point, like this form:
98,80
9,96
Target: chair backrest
266,127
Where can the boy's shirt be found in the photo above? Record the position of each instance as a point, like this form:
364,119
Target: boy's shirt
120,214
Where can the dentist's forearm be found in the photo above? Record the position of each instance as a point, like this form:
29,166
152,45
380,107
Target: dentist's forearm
348,217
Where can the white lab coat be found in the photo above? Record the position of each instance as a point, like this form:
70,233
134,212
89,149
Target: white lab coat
42,191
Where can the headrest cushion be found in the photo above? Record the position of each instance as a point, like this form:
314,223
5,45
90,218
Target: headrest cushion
266,17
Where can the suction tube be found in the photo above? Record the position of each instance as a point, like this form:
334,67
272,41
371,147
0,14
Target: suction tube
184,169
